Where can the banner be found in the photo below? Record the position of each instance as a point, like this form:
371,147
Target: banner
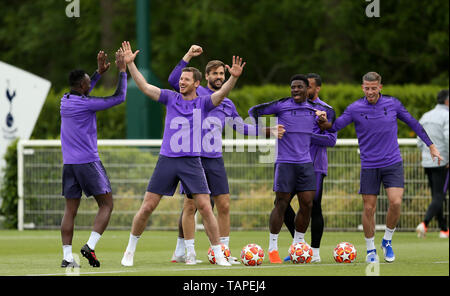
22,96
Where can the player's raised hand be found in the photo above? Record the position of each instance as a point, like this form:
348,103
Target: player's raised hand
195,51
237,67
129,56
120,60
102,62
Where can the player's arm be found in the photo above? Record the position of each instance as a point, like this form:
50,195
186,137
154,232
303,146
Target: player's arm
235,71
102,103
407,118
239,125
102,67
327,139
174,77
264,109
149,90
342,121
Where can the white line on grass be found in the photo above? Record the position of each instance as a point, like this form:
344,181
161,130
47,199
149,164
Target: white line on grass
125,270
195,269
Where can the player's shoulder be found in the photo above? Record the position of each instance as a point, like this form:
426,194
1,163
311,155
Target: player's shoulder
283,100
170,93
227,102
320,104
391,100
358,103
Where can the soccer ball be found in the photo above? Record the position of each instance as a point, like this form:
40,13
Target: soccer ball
344,253
300,253
252,255
225,250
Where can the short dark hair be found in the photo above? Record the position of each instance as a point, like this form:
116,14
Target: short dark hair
442,96
300,77
316,78
195,72
75,77
213,65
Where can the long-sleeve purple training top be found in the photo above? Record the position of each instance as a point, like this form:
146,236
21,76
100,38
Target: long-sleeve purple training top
216,119
79,121
376,128
299,121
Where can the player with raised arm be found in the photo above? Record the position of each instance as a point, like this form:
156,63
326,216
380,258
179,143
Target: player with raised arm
375,117
179,164
211,157
82,170
294,171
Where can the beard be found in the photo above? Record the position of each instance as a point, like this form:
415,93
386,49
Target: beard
213,84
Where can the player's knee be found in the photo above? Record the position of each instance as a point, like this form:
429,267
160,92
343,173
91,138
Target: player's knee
307,203
147,208
396,203
189,209
280,208
223,207
369,209
109,206
204,208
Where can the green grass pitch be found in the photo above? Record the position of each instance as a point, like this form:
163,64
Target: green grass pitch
39,253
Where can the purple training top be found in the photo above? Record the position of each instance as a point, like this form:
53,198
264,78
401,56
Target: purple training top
182,128
298,120
376,129
217,118
79,121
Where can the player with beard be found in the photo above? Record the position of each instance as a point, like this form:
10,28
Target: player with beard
212,161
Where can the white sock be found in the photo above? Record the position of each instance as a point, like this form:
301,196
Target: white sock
225,240
273,242
388,233
217,249
190,248
316,252
67,252
370,243
93,240
299,237
180,249
132,243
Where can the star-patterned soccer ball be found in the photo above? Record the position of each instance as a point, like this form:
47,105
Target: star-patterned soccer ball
300,253
344,253
225,250
252,255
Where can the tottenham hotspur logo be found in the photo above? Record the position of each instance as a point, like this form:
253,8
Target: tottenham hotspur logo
9,117
9,131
